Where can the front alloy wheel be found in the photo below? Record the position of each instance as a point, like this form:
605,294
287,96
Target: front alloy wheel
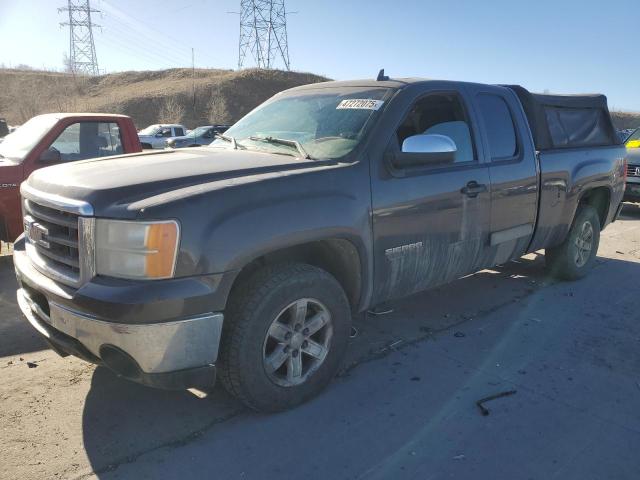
297,342
286,330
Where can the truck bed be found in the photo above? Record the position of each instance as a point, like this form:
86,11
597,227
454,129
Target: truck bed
564,174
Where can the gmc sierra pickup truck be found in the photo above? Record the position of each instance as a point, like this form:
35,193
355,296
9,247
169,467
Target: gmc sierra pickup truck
56,138
248,258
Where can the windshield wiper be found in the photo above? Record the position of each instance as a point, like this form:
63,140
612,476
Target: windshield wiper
228,138
283,141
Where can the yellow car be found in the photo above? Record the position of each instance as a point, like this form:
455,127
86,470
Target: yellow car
634,140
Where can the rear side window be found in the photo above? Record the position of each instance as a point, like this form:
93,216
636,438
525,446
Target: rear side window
498,124
110,141
179,132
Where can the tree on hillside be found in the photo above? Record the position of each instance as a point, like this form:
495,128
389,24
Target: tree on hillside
218,110
171,111
66,64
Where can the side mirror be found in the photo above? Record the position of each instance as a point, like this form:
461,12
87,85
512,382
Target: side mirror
422,150
50,155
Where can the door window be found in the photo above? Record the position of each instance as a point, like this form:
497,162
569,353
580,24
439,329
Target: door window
441,114
179,132
498,124
88,140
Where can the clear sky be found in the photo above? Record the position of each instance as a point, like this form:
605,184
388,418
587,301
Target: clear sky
564,46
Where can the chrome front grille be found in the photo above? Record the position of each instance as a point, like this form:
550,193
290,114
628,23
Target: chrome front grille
633,170
59,239
52,240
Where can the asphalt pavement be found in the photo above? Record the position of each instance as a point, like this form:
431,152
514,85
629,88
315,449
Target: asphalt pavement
404,405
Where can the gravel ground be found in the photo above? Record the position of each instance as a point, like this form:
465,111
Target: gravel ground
403,406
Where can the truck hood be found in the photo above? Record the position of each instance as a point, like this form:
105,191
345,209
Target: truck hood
111,184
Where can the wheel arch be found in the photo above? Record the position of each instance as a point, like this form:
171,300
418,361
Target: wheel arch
338,256
600,199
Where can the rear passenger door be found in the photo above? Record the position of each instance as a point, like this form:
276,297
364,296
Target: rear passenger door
430,223
513,170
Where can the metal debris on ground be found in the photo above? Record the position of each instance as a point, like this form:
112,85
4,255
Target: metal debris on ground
380,310
391,346
485,411
32,365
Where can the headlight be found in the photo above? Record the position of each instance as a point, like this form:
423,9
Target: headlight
137,250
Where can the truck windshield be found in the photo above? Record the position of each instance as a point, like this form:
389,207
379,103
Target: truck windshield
328,123
633,140
150,130
196,132
17,145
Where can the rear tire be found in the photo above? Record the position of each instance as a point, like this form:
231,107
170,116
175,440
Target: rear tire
285,333
575,257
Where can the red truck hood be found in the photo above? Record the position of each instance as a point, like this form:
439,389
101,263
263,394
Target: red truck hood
111,184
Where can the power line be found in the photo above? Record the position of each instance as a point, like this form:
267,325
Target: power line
153,35
140,46
82,49
263,33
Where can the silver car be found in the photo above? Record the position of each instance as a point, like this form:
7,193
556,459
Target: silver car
155,136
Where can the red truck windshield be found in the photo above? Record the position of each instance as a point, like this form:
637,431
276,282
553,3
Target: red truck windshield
18,144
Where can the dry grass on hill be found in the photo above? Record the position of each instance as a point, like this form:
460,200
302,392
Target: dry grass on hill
221,96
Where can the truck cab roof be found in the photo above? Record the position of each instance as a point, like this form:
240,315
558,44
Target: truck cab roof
556,121
61,115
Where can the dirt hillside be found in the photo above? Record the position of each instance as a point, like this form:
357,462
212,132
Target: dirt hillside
221,96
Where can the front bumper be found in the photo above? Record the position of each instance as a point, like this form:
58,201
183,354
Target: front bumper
177,353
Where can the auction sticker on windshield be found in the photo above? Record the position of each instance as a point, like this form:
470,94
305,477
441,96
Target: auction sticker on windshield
360,104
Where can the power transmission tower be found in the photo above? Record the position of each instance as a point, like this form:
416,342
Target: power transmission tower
263,33
82,51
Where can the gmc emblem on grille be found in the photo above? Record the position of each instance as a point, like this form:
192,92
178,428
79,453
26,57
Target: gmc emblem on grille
637,172
36,233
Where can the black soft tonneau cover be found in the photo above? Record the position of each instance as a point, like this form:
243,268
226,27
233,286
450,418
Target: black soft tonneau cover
567,121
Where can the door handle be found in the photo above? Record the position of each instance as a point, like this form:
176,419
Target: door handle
473,188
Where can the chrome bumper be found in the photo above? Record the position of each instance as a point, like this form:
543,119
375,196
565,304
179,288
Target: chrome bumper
156,348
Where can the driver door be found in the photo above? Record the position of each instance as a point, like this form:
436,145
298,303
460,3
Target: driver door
430,222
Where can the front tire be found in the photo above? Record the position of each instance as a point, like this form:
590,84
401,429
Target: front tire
576,256
285,334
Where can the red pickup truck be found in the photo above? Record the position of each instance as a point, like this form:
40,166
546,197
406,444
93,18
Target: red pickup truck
51,139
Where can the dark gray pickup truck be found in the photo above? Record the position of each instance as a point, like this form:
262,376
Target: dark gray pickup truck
248,258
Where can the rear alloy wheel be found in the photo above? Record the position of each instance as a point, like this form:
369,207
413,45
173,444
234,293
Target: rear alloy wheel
575,257
584,245
285,333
